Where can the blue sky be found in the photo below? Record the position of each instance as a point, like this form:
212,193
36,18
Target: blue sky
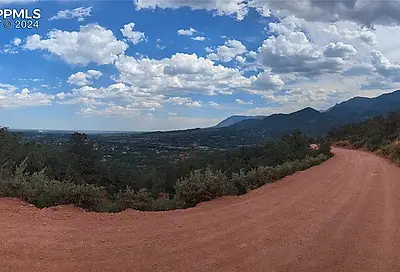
161,64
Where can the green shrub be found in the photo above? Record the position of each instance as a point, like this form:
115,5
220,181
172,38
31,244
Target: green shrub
239,183
359,144
342,143
254,179
110,207
395,151
129,199
385,150
201,185
11,184
89,196
392,151
39,190
257,177
141,200
261,175
374,143
163,204
266,173
284,169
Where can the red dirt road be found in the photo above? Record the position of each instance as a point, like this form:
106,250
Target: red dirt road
343,215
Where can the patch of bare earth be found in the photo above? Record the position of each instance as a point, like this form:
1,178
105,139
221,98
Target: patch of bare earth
343,215
314,146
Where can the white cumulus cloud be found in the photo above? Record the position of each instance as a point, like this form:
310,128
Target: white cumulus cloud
228,51
16,41
80,13
187,32
360,11
384,67
10,97
214,104
220,7
241,102
199,38
339,50
82,78
92,43
180,74
134,37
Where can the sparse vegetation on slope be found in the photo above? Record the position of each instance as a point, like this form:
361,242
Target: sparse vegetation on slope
84,184
380,135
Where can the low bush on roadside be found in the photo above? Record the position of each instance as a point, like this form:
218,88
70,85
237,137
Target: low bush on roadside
391,151
240,185
206,185
200,186
379,134
39,190
129,199
342,143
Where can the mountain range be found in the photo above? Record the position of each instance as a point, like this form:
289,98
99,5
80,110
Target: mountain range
314,122
236,119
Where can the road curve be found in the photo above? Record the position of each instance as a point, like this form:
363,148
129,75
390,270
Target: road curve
343,215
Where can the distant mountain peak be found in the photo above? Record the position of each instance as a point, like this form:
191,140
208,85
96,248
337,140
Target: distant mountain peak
236,119
307,109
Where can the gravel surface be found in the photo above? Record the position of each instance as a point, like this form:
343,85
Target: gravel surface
343,215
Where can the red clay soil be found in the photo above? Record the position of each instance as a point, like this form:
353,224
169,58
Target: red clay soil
343,215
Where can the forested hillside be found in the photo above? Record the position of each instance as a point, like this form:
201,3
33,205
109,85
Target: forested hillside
236,119
75,172
381,134
315,123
